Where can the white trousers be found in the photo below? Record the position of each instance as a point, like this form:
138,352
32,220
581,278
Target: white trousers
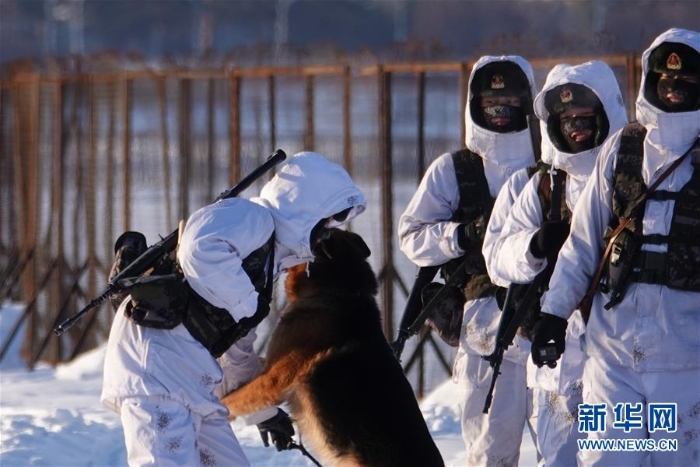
160,432
494,439
557,427
610,384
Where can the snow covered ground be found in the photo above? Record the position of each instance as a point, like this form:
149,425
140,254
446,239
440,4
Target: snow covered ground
53,417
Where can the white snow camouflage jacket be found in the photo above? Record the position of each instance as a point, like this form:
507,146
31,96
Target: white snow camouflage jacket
426,234
654,328
514,262
428,237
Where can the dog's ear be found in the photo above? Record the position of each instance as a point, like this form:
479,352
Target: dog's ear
342,244
358,245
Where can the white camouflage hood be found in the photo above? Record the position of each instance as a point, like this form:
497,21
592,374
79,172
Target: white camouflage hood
514,149
599,78
306,189
668,132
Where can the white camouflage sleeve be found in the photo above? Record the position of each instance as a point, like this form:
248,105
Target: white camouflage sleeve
427,236
514,261
495,236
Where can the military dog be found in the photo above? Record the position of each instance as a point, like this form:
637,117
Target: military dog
329,359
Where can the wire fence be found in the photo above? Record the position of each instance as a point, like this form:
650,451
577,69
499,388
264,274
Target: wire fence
86,156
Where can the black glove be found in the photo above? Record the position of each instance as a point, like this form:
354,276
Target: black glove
548,328
241,328
128,247
249,322
548,240
469,235
279,428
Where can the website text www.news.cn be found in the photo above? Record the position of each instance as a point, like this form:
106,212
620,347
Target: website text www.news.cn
628,417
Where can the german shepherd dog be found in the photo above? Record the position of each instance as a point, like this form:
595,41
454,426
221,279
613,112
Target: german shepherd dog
329,359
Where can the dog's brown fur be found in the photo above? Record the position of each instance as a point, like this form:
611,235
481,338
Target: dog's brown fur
329,359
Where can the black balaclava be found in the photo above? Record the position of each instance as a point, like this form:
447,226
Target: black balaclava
504,78
567,96
676,60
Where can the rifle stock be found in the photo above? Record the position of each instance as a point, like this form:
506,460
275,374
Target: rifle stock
149,257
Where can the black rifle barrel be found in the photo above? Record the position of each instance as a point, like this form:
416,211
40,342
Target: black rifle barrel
166,245
413,307
497,359
274,159
413,303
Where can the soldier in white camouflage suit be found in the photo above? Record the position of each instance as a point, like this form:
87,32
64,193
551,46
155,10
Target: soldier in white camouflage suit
444,224
164,377
580,107
642,340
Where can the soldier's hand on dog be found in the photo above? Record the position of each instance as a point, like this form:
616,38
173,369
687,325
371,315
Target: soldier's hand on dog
279,428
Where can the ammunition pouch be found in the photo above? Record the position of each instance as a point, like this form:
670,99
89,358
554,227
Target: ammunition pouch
650,268
446,315
479,286
621,261
159,299
164,302
157,302
673,269
618,272
684,267
211,326
676,269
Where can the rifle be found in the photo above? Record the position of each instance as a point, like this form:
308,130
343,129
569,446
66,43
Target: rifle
511,319
413,305
151,256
